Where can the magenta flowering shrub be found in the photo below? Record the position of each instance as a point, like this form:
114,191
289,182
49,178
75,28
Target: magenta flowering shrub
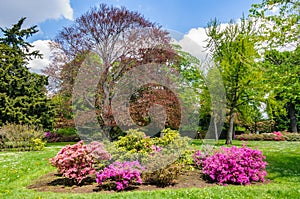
200,155
76,161
235,165
121,174
198,158
278,136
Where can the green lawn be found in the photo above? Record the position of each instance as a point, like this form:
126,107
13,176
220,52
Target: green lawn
19,169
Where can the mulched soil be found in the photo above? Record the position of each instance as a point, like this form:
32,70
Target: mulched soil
55,183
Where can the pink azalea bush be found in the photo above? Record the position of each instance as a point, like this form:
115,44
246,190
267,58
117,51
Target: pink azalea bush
278,136
76,161
121,174
235,165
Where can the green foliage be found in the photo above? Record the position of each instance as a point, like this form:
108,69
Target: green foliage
19,170
282,70
291,136
38,144
280,27
66,131
135,141
234,54
21,137
164,176
22,93
167,137
269,137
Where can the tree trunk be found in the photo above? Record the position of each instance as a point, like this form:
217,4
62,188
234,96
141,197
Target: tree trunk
231,126
216,130
292,116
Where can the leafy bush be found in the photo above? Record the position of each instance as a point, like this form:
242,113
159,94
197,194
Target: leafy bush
167,137
249,137
135,141
51,137
163,177
278,136
275,136
77,161
66,131
291,136
235,165
21,137
120,175
38,144
62,135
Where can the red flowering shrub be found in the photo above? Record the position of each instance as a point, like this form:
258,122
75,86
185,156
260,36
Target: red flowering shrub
76,161
235,165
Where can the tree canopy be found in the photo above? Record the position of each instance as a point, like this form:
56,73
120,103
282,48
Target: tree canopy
22,93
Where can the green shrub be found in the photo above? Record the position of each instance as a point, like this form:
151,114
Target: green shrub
21,137
135,141
268,136
167,136
164,176
291,136
256,137
38,144
66,131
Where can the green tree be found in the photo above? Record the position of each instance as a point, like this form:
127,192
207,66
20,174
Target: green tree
279,21
22,93
283,70
234,53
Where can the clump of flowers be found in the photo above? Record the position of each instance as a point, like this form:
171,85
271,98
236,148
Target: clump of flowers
278,136
76,161
98,152
200,155
235,165
51,137
121,174
156,148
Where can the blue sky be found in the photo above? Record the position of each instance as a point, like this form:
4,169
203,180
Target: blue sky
179,15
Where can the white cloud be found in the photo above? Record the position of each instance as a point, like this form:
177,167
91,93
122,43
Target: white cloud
194,42
36,11
37,65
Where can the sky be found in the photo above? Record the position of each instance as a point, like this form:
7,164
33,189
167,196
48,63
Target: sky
187,18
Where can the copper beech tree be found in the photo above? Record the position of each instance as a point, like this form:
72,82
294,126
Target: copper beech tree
115,40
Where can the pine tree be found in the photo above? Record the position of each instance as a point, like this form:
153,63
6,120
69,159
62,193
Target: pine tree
22,93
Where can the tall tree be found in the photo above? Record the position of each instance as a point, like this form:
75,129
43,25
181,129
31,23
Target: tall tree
122,39
22,93
278,22
234,53
283,69
279,30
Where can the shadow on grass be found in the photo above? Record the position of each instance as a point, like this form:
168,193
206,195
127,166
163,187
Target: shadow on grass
283,167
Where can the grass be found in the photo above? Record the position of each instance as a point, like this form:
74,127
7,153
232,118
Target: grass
19,169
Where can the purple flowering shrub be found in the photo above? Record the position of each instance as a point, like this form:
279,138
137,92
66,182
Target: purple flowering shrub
121,174
235,165
51,137
77,161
